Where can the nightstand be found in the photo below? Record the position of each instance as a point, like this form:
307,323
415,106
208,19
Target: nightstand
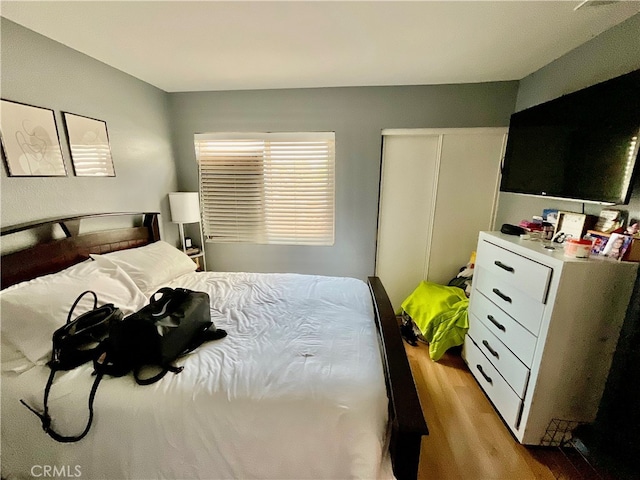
197,256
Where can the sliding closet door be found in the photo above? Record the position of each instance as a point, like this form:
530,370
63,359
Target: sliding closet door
468,184
407,196
438,190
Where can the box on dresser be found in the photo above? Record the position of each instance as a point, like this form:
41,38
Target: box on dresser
543,330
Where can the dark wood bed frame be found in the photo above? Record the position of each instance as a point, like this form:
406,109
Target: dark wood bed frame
407,421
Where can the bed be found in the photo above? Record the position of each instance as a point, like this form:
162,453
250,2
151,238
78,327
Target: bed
333,397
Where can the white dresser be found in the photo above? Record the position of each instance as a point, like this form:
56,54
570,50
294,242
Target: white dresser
542,332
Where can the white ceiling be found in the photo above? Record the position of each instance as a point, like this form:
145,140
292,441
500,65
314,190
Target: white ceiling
239,45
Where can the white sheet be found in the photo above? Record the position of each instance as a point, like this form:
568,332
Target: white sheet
296,390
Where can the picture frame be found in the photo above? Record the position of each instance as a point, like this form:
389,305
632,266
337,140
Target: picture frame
89,145
617,245
573,225
30,141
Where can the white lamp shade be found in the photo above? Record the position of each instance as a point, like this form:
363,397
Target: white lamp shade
185,207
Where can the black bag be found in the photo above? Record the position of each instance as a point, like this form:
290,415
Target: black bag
78,342
175,322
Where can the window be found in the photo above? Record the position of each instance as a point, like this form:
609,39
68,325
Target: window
269,188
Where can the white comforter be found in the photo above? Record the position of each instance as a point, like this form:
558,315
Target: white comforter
296,390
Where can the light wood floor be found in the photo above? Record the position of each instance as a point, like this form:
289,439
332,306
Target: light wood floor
467,439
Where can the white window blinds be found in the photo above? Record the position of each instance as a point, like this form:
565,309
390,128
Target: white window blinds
270,188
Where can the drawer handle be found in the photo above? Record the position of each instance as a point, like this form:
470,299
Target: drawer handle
498,325
491,350
502,295
486,377
504,267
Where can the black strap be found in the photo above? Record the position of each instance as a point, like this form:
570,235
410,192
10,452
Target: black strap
160,301
155,378
95,303
164,291
45,418
166,295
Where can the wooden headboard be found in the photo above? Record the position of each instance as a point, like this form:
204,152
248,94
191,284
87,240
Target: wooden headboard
58,254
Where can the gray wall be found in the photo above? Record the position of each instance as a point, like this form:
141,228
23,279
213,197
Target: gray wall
145,124
357,115
41,72
613,53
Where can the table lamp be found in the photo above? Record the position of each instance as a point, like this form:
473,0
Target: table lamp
185,208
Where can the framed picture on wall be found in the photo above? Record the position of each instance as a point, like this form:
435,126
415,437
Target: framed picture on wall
89,145
30,143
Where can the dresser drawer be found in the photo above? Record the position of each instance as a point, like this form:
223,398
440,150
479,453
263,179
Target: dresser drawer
523,308
508,365
503,398
524,274
519,340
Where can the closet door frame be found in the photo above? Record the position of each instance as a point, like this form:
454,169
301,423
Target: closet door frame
440,133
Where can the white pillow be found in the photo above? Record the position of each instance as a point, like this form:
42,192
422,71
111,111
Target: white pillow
31,311
151,266
12,359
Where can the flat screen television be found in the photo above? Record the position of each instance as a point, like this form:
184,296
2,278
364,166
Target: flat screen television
582,146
